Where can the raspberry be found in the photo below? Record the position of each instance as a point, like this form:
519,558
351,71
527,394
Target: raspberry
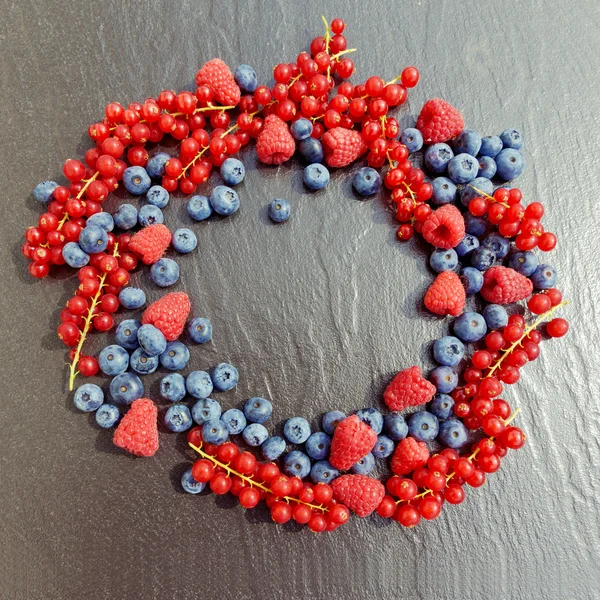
151,242
342,146
444,228
216,75
275,143
439,121
408,456
352,440
446,295
359,493
168,314
408,388
503,285
138,432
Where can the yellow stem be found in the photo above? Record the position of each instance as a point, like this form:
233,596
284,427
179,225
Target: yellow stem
348,51
327,33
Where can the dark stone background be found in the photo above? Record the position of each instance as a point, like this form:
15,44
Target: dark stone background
317,314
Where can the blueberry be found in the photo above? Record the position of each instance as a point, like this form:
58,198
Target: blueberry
74,256
255,434
273,448
311,150
444,191
412,139
423,426
200,330
156,165
512,138
470,327
131,298
107,416
215,432
136,180
150,215
199,384
157,196
472,280
257,410
384,446
323,472
142,363
224,200
199,208
279,210
125,217
463,168
453,434
88,397
372,417
467,245
125,388
93,239
483,258
315,176
44,192
510,163
126,334
113,360
235,421
445,379
364,466
233,171
495,316
497,243
172,387
437,157
225,377
468,141
178,418
301,129
331,420
189,484
443,260
476,226
205,410
152,340
544,277
103,220
296,464
296,430
366,181
245,77
448,351
184,240
318,445
175,357
490,146
441,406
487,167
524,263
164,272
475,188
395,426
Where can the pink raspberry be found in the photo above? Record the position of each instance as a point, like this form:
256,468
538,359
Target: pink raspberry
216,75
151,242
439,121
408,388
444,228
342,146
138,431
446,295
275,143
352,439
502,285
168,314
359,493
408,456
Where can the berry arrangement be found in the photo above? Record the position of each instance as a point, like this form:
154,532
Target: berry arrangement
442,181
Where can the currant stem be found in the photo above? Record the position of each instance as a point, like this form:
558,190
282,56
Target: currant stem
327,33
489,197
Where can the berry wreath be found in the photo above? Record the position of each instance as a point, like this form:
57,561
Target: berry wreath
483,238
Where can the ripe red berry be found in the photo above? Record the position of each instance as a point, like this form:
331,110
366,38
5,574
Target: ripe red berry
387,507
339,514
103,321
407,515
249,497
281,486
513,438
410,77
301,514
220,484
430,508
317,523
539,304
244,463
464,468
557,327
477,479
281,512
88,366
202,470
454,493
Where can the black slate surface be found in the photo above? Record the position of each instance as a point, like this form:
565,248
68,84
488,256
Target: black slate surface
317,314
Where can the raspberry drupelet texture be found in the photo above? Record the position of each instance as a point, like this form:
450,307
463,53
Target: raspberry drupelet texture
503,285
216,75
138,432
359,493
342,146
439,121
275,144
408,456
168,314
446,295
408,388
444,228
352,440
150,243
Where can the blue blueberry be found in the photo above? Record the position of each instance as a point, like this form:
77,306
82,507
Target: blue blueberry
497,243
74,256
152,340
132,298
487,167
444,191
175,357
136,180
172,387
273,448
448,351
331,420
150,215
126,387
233,171
125,217
301,129
384,446
510,163
279,210
184,240
225,377
245,77
199,384
544,277
512,138
476,226
524,263
126,334
315,176
437,157
93,239
470,327
483,258
452,434
423,426
113,360
445,379
495,316
189,484
443,260
475,188
205,410
364,466
255,434
490,146
44,192
224,200
107,416
88,397
235,421
104,220
157,196
318,445
199,208
412,138
463,168
441,406
178,418
366,181
296,430
156,165
257,410
323,472
296,464
200,330
467,245
468,141
472,280
395,426
372,417
164,272
142,363
311,150
215,432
